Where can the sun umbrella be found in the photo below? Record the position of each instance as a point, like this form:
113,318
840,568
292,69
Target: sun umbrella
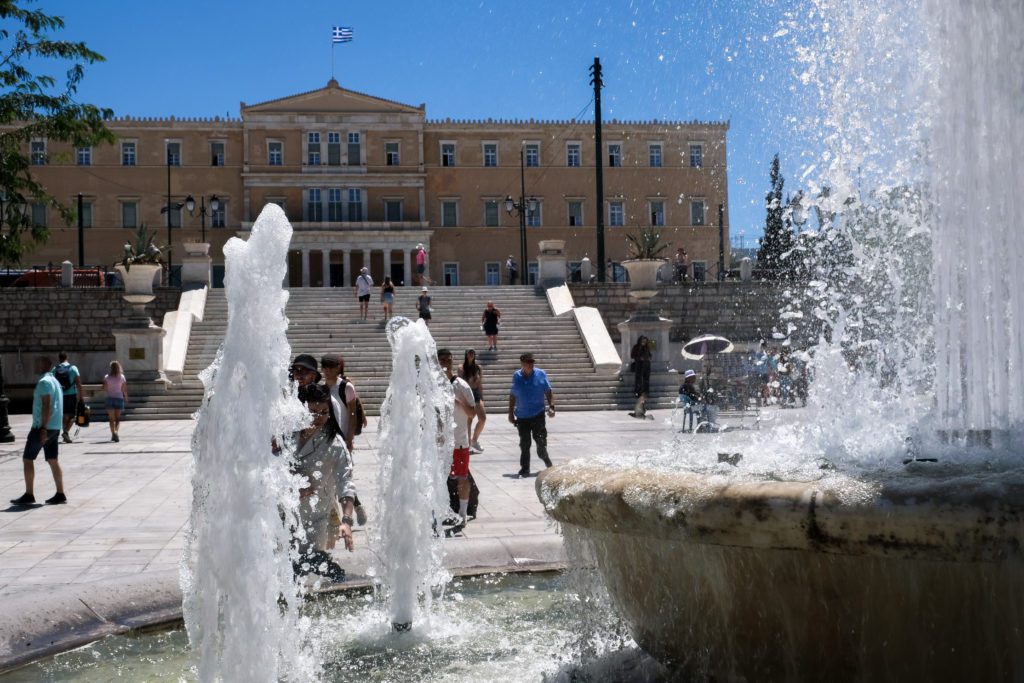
705,345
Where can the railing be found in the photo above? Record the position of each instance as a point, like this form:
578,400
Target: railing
47,276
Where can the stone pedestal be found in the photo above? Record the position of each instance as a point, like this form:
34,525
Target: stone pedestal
655,328
140,351
551,262
196,265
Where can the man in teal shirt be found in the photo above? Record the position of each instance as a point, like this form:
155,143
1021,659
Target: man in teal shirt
47,409
70,381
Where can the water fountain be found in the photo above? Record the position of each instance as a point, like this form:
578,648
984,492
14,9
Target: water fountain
881,538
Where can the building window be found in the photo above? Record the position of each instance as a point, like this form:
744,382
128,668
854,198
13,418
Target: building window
173,153
334,149
532,154
696,155
216,153
392,155
491,215
86,214
355,205
532,273
219,216
128,153
354,151
492,273
654,153
490,154
314,209
616,214
449,214
313,149
334,205
83,156
700,271
534,218
38,152
447,153
614,155
275,153
658,213
575,213
39,215
451,274
174,214
130,215
393,210
572,154
697,212
575,271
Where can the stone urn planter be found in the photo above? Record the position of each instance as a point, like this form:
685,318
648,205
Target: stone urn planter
643,277
196,248
918,578
138,286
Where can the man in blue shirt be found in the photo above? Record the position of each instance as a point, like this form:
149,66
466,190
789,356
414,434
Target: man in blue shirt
47,409
71,382
530,388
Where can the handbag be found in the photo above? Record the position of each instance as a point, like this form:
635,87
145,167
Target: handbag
82,414
632,366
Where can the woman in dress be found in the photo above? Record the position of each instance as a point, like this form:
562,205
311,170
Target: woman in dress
387,297
117,396
490,320
423,306
474,376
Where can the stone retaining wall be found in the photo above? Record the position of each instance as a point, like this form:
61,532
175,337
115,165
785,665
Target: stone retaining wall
735,310
73,320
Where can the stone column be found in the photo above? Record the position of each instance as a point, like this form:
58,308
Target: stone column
346,265
407,265
305,267
327,266
423,204
366,260
387,263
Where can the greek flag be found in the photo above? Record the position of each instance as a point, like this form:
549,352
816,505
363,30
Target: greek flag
341,34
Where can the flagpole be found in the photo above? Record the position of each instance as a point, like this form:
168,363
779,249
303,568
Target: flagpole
332,60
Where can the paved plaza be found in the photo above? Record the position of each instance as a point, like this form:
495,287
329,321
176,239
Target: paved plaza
127,501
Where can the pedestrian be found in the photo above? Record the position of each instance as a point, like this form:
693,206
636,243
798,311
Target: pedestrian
364,283
490,321
47,410
421,264
423,306
464,411
691,398
323,461
117,397
640,356
530,387
474,377
387,297
70,381
513,270
304,373
682,265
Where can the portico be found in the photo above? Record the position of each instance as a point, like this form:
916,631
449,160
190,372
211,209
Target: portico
333,259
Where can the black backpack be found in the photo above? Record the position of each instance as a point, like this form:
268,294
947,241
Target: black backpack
63,374
357,429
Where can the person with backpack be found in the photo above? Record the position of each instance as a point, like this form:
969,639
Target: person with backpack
46,413
70,381
347,407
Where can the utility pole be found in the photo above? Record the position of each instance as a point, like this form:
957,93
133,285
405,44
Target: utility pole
81,232
721,243
598,83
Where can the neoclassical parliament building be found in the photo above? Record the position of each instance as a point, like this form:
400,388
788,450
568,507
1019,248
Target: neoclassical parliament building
364,180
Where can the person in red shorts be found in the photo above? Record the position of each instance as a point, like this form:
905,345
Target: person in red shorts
465,408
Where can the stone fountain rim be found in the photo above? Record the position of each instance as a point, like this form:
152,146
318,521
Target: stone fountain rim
934,520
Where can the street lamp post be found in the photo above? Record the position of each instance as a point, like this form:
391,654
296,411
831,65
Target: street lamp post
190,204
524,207
798,211
721,243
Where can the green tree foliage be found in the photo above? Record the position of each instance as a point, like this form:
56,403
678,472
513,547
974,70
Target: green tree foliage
37,106
774,254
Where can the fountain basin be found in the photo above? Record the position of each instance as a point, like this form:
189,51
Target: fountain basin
920,580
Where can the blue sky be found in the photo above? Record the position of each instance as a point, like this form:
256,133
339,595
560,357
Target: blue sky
679,60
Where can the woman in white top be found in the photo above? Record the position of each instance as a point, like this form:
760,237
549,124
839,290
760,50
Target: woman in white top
117,396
